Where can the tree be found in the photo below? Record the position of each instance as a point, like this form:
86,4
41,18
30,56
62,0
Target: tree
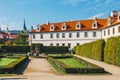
21,39
8,42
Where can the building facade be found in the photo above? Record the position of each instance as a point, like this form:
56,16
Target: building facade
78,32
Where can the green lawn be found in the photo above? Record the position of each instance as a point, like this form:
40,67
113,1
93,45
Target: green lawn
59,54
72,62
5,61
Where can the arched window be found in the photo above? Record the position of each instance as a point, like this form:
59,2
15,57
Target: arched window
109,21
64,26
94,24
52,27
39,28
78,25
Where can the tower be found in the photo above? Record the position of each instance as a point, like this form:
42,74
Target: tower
31,28
24,26
0,28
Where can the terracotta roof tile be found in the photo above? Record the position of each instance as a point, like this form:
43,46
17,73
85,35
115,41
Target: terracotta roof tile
71,25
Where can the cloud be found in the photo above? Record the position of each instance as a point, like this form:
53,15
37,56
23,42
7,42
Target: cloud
100,15
3,19
72,2
12,26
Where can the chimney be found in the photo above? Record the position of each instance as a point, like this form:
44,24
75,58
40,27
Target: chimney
114,13
94,18
48,22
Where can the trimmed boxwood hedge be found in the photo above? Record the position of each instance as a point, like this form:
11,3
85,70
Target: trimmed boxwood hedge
39,46
112,51
16,48
11,68
55,49
94,50
67,69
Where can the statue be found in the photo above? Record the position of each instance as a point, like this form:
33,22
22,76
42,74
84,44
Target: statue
37,51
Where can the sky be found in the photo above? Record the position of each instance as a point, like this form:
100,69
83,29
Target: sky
13,12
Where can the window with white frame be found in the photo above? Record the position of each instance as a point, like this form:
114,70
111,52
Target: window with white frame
109,21
39,27
57,44
51,44
113,30
77,34
57,35
33,36
108,31
69,45
41,36
86,34
94,34
63,35
94,25
78,25
63,44
70,35
64,26
104,33
51,35
118,28
52,27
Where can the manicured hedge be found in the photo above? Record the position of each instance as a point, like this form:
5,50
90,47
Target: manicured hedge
55,49
39,46
112,51
16,48
67,69
11,68
94,50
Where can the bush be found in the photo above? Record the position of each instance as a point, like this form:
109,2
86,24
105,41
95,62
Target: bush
112,51
55,49
94,50
16,48
11,68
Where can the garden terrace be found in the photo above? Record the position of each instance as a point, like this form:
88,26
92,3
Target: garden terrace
74,65
13,63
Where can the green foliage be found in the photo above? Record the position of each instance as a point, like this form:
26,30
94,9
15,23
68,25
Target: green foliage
16,48
39,46
112,51
21,39
94,50
88,68
55,49
11,67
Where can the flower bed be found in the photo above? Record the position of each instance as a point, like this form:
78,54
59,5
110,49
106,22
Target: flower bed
88,67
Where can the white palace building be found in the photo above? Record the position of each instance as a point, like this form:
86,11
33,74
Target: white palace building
77,32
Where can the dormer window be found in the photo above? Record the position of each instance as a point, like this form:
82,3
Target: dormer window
64,26
109,21
94,25
39,27
118,16
78,25
52,27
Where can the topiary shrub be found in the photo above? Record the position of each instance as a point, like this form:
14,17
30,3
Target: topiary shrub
94,50
112,51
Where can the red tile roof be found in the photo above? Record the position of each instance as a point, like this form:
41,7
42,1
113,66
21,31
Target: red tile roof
71,25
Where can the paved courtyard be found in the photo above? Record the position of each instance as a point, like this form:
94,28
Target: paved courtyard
40,69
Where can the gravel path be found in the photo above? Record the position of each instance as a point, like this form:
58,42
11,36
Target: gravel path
40,69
